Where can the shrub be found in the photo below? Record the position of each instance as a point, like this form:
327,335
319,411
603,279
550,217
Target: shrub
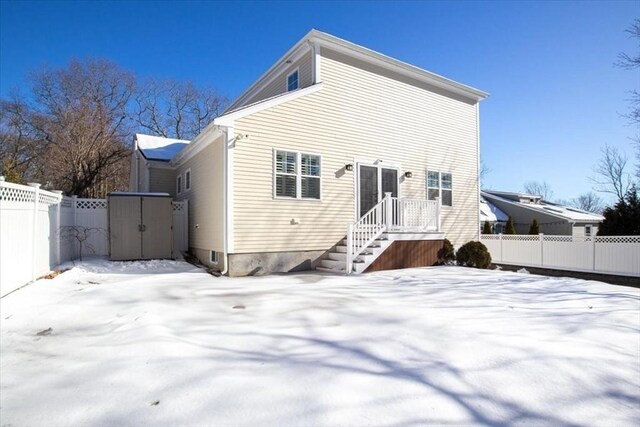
534,228
474,254
446,253
510,229
486,229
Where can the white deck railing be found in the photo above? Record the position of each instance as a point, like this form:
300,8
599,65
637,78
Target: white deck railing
391,214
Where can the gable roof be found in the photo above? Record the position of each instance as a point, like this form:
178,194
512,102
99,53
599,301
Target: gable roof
567,213
159,148
490,212
319,38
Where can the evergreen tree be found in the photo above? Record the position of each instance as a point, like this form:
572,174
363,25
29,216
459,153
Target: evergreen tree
623,219
510,229
534,228
487,228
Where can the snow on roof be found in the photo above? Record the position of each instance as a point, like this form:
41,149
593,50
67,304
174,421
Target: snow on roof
489,212
570,213
159,148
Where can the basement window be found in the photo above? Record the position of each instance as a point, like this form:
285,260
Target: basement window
214,257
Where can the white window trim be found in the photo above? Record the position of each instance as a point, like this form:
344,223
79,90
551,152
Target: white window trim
188,188
286,81
377,164
179,184
298,175
590,230
439,188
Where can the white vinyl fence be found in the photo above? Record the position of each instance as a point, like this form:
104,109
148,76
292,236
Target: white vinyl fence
619,255
41,229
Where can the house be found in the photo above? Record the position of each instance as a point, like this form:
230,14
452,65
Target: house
150,167
336,158
493,215
552,218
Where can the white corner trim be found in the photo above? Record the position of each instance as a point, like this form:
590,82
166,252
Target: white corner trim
228,119
229,147
317,76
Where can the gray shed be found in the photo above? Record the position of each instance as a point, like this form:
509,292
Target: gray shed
140,226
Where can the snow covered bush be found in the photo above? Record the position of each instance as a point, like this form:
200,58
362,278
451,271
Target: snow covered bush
474,254
446,254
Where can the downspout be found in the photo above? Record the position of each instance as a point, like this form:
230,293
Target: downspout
478,164
225,210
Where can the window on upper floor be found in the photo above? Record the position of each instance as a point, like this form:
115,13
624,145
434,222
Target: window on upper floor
179,184
440,184
292,81
296,175
187,180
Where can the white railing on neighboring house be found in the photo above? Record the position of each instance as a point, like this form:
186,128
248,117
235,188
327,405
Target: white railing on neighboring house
390,214
619,255
41,229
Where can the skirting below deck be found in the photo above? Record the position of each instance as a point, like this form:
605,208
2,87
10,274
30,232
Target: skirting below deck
408,254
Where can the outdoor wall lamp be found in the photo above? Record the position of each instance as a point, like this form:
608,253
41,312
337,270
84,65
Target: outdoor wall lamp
408,174
348,167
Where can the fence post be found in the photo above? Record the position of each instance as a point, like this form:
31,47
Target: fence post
500,246
593,252
74,205
2,267
57,231
541,237
34,230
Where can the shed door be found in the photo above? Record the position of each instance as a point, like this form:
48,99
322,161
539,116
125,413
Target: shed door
124,222
157,217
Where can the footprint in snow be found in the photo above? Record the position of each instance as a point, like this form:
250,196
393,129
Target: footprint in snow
45,332
238,307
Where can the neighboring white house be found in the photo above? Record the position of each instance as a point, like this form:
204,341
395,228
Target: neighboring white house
491,214
313,146
150,168
552,218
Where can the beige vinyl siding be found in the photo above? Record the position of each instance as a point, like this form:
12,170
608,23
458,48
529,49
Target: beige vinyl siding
162,180
205,198
279,84
360,114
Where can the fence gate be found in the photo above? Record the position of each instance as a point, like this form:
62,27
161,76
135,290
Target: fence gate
140,227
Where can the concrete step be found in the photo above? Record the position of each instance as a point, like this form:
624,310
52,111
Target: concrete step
331,263
330,270
339,256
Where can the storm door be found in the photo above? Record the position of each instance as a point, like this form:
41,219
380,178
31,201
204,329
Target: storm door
373,182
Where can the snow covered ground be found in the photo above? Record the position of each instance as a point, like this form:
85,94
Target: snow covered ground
162,343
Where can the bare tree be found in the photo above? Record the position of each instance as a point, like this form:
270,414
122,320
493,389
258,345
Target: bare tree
610,173
78,116
632,63
540,188
176,110
19,145
484,171
589,202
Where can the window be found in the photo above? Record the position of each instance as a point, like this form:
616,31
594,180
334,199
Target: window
440,184
179,184
187,180
588,229
292,81
296,175
214,257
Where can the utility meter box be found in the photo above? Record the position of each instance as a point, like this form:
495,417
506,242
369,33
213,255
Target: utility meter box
140,226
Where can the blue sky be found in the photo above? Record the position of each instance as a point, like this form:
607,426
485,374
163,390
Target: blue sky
556,97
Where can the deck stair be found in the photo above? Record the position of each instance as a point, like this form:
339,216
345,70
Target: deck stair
374,232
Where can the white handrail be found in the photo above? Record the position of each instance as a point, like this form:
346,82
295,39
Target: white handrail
366,230
391,214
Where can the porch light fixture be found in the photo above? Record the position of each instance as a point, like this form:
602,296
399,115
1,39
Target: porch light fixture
348,167
408,174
